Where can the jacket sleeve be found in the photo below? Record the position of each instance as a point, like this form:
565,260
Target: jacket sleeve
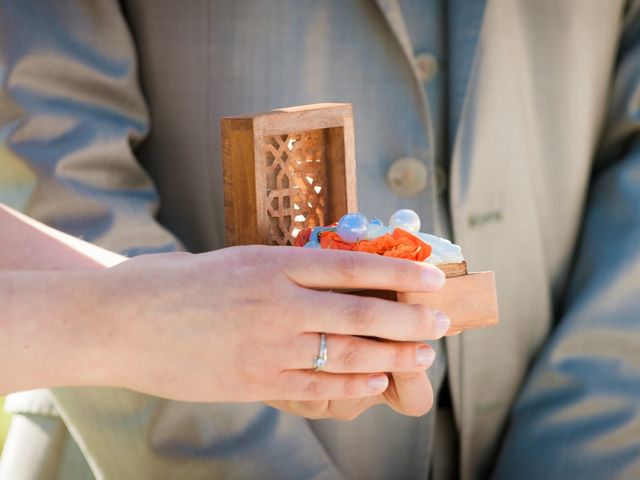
72,114
579,413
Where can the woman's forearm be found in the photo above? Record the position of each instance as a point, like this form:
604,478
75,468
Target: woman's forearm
26,244
47,318
46,329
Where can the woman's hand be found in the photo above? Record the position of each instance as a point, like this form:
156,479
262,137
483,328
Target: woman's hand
243,323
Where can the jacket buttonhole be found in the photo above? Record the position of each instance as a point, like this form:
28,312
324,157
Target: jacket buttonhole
479,219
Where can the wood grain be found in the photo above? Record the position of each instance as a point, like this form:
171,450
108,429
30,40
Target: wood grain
287,170
453,269
240,187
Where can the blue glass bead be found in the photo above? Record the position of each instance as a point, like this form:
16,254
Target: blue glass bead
314,234
405,219
374,231
352,227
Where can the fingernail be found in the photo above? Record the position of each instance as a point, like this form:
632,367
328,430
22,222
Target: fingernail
442,323
378,382
433,278
425,356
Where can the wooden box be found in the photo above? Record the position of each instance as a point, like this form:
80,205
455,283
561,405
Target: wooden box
294,168
287,170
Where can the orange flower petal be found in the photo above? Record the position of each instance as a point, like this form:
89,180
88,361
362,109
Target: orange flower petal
333,241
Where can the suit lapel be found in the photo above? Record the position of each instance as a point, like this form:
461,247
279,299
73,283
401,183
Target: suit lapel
463,35
393,15
467,57
495,219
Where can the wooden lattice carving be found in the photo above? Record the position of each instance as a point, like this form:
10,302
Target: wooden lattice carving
296,184
287,170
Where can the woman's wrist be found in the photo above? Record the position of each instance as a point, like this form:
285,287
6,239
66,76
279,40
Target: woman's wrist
56,329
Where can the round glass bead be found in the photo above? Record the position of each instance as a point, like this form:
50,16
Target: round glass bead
374,231
352,227
405,219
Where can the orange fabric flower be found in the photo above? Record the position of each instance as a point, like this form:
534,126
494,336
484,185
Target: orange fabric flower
399,244
378,245
332,240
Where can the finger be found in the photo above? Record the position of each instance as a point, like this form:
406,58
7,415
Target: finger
327,269
410,393
308,385
348,354
345,314
350,409
328,409
333,409
312,409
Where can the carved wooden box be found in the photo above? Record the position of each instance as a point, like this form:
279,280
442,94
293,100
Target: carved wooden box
294,168
286,170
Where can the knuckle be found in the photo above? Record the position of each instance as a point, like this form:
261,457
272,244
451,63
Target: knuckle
350,355
349,387
360,314
313,388
402,358
406,273
348,266
422,320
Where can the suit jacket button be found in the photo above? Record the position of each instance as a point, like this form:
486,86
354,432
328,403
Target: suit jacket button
407,177
426,65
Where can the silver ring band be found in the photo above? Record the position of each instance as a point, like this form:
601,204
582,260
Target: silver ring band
320,360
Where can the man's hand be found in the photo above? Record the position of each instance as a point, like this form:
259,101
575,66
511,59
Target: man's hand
408,394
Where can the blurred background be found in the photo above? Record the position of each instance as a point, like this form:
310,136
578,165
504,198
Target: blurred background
4,423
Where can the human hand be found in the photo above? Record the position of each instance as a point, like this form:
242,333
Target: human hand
241,324
409,393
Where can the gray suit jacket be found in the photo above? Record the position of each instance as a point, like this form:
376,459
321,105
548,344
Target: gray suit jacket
543,189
